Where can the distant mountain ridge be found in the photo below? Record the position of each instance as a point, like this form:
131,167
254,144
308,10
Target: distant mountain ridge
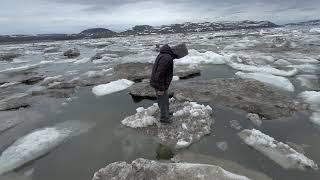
187,27
305,23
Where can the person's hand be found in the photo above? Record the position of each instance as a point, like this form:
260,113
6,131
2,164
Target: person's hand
160,93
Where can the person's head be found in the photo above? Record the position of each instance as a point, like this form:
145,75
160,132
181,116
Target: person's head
180,50
177,52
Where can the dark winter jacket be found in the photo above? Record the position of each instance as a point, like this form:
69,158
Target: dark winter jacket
162,71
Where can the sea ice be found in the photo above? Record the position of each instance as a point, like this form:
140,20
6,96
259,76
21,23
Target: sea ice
309,81
306,68
315,30
196,57
191,121
21,69
49,80
269,79
38,143
175,78
143,117
279,152
312,98
82,61
315,118
263,69
5,85
112,87
154,170
282,62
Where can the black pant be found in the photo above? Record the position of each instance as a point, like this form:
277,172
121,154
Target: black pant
163,103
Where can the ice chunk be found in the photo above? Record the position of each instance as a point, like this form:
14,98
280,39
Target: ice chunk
304,60
255,119
279,152
38,143
223,146
185,129
263,69
100,73
315,30
143,117
5,85
307,68
112,87
196,57
282,62
269,79
313,98
21,69
82,61
154,170
311,82
49,80
183,144
234,124
175,78
19,61
315,118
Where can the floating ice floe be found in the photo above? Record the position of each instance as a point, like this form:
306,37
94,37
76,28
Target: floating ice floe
312,98
82,61
5,85
304,60
279,152
196,57
100,73
191,121
315,30
255,119
19,61
263,69
282,62
309,81
49,80
175,78
21,69
315,118
269,79
38,143
307,68
112,87
154,170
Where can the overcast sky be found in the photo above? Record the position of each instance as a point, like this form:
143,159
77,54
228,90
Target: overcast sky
72,16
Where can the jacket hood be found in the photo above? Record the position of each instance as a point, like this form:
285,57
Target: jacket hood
166,49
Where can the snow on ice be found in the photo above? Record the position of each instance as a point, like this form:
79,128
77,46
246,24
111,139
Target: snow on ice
269,79
21,69
263,69
112,87
279,152
143,117
312,98
196,57
191,121
154,170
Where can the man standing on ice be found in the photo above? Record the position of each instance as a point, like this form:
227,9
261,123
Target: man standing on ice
162,73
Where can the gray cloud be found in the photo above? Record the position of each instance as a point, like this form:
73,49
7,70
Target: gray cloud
70,16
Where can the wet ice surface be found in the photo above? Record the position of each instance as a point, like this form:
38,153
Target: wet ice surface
281,52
